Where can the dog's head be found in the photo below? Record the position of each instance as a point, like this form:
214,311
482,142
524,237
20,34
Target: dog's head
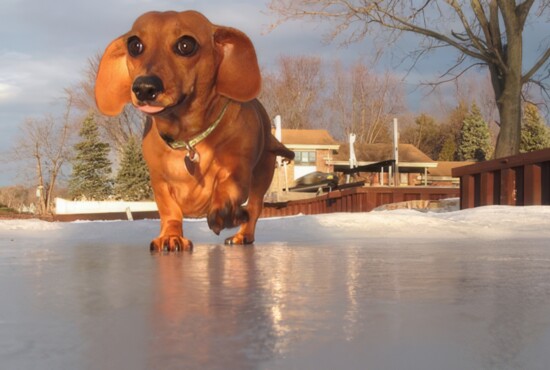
168,59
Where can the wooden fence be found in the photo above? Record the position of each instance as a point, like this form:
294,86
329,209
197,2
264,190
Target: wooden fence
519,180
361,199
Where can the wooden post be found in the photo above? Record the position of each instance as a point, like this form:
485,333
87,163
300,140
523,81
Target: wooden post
507,187
467,191
532,185
487,184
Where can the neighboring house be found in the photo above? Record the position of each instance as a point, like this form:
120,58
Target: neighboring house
314,149
442,174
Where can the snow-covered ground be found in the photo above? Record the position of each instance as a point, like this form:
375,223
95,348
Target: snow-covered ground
384,290
485,223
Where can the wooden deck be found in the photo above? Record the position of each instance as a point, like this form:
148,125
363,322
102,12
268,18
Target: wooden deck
523,179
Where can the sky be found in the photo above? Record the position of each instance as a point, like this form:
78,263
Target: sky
45,46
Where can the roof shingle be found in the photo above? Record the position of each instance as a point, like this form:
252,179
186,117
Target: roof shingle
383,152
307,137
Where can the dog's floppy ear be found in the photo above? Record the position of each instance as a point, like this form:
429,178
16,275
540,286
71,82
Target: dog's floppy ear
238,74
112,85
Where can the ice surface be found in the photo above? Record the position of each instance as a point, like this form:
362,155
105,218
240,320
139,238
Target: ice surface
380,290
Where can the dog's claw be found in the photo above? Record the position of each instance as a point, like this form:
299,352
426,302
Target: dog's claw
239,239
171,244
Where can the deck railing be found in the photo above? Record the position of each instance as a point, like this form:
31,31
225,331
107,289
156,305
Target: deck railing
523,179
361,199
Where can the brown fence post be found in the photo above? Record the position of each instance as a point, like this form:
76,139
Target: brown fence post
532,185
487,185
467,189
508,187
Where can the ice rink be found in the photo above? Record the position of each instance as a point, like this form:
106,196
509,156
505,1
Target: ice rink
380,290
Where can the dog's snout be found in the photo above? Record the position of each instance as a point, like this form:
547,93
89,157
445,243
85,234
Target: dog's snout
147,88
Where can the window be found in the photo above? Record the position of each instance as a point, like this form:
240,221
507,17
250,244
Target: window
305,158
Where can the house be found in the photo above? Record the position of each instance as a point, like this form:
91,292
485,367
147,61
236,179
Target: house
317,150
314,149
442,174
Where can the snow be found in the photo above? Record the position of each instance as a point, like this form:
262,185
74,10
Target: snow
397,289
484,223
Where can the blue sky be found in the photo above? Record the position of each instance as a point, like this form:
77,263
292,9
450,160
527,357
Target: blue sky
45,45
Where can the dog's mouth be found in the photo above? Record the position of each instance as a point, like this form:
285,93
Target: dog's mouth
158,109
150,109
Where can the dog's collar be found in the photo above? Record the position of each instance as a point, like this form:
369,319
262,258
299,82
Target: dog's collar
191,143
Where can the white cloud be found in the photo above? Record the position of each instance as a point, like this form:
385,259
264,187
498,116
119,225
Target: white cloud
33,80
8,91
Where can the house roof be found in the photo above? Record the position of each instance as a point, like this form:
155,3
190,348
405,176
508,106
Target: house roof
382,152
444,168
317,138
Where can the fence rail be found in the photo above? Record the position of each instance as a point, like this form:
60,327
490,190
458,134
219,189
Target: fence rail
519,180
361,199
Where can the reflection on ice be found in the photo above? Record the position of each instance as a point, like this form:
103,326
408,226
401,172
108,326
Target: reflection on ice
73,302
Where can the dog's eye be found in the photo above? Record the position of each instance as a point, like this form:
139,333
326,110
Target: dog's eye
186,46
135,46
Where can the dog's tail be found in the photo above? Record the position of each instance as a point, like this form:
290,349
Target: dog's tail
277,148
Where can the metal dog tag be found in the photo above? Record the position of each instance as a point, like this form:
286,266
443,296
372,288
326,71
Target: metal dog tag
191,159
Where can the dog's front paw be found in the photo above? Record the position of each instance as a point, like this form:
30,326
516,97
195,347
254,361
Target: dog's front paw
239,239
171,243
227,216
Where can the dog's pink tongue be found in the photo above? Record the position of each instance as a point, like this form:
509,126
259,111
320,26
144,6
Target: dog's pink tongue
150,109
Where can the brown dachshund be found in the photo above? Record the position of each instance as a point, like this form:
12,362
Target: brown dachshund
207,141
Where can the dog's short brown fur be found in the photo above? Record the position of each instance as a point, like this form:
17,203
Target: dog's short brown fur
186,74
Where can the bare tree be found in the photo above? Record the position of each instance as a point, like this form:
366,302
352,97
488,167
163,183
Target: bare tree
483,33
15,197
115,130
363,102
295,91
45,144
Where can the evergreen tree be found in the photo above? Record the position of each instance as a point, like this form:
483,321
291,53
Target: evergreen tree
91,166
534,132
450,133
132,180
448,151
474,140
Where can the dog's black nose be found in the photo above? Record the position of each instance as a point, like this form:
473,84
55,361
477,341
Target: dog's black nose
147,88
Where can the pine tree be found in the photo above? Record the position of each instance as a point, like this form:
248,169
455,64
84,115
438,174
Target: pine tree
474,139
534,132
91,166
132,180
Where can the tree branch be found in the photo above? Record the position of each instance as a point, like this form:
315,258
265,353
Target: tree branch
522,10
403,25
455,77
543,59
475,40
